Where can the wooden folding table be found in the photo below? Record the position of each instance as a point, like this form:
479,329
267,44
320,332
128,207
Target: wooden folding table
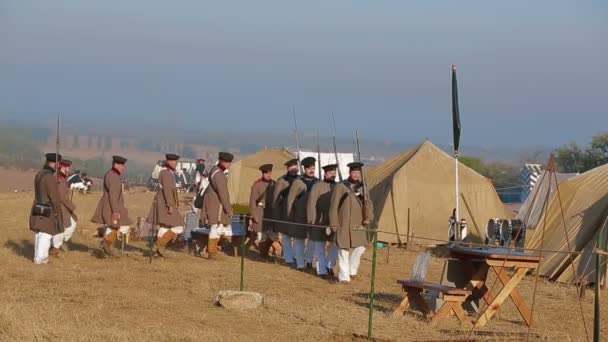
477,262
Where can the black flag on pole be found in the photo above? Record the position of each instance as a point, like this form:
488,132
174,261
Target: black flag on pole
455,111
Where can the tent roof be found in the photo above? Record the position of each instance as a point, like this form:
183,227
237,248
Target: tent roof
245,171
584,201
420,183
544,189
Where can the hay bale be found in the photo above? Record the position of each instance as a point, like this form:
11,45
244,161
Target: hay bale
239,300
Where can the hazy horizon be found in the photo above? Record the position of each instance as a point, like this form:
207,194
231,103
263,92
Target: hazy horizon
530,74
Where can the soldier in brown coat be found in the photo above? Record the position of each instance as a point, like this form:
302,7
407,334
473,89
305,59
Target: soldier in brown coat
68,209
279,208
217,209
260,208
111,211
165,207
297,202
318,215
45,216
348,220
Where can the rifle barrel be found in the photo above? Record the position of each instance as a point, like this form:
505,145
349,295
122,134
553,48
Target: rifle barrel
318,155
295,123
363,186
336,148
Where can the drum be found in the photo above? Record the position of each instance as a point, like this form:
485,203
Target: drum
493,231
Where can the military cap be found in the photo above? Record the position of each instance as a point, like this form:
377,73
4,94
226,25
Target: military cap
51,157
291,162
65,162
119,160
354,166
308,161
266,168
330,167
171,156
225,156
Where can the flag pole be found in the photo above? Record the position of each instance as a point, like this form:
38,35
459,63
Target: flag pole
456,133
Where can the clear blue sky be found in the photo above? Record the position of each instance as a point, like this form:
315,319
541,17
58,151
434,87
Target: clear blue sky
530,72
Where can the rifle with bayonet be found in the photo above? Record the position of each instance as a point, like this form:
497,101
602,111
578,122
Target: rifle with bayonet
363,185
57,224
295,123
319,156
336,148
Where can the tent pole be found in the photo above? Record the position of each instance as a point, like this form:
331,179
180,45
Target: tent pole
597,311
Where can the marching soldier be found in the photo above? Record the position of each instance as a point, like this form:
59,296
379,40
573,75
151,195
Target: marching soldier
45,216
260,208
347,219
111,210
68,209
279,207
165,208
318,215
297,201
217,209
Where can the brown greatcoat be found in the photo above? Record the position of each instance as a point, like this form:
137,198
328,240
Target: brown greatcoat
346,214
216,199
297,202
279,203
260,205
166,197
318,209
112,201
45,185
68,209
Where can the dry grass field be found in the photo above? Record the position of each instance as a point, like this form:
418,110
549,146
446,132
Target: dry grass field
82,297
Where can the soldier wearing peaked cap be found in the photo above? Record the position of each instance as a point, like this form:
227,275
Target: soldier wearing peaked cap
318,215
346,220
297,201
46,216
279,208
260,208
217,209
111,210
68,209
165,207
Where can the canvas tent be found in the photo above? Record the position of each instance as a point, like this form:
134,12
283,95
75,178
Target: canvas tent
584,200
421,182
245,171
543,191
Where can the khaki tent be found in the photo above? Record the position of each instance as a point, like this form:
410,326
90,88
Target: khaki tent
543,191
413,194
245,171
584,201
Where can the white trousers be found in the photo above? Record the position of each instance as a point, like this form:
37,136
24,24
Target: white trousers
320,255
216,231
176,230
42,243
299,246
57,240
310,251
124,230
349,261
288,254
69,231
332,258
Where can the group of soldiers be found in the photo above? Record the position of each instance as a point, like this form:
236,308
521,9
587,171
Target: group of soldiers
306,220
310,219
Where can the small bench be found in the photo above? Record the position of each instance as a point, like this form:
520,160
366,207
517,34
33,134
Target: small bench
452,300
